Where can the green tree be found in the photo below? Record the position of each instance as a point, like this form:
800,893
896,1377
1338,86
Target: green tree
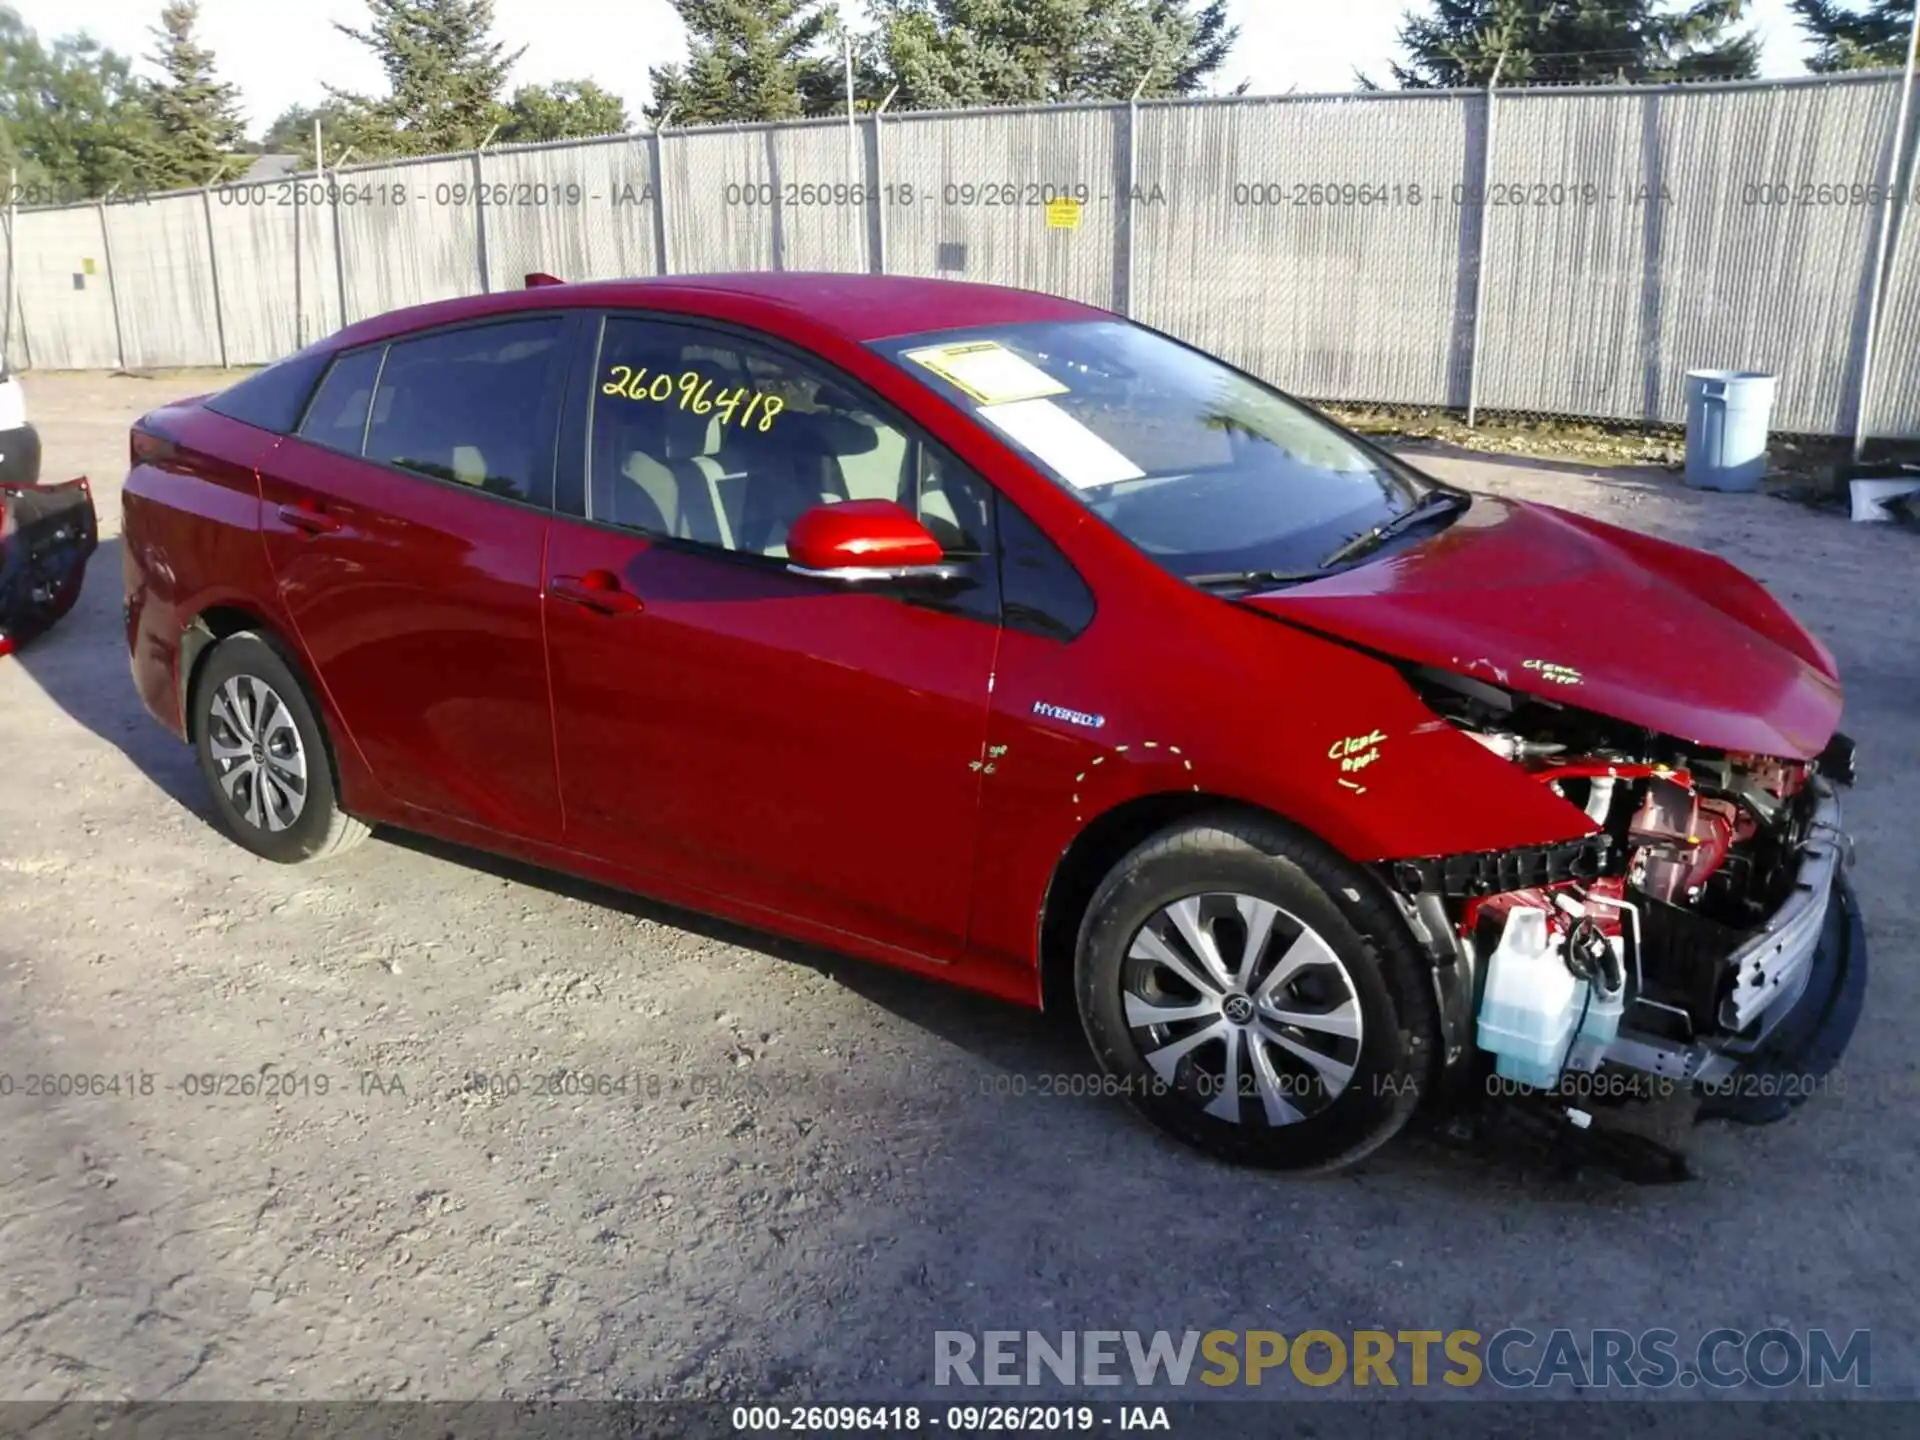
74,120
952,53
1459,42
1856,36
445,73
746,60
564,110
197,115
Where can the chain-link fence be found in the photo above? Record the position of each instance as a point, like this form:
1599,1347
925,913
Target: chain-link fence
1558,250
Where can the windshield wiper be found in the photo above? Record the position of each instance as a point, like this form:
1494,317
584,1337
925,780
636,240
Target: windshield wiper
1436,503
1252,577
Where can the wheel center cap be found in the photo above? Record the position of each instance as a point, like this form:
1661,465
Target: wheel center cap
1238,1009
259,755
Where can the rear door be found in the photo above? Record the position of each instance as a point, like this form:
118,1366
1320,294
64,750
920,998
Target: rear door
799,746
405,521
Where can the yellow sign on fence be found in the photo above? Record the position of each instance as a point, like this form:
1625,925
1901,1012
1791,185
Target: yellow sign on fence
1063,214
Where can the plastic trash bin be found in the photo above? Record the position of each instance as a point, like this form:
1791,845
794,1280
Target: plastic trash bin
1727,415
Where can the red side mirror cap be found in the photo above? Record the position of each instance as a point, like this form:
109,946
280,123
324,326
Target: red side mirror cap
859,539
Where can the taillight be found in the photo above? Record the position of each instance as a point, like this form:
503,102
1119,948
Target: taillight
146,448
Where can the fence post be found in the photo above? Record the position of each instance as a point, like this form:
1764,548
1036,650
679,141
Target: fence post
662,232
1869,344
339,247
879,233
299,302
113,293
1123,212
213,270
1480,250
13,266
480,215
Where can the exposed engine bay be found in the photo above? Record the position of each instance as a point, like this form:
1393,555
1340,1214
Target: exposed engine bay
1674,939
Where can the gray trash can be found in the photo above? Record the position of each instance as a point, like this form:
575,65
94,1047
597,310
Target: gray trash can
1727,415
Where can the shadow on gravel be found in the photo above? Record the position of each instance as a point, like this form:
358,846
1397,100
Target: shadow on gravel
81,663
1009,1036
1029,1045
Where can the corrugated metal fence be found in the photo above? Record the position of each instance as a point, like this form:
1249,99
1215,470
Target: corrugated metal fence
1565,251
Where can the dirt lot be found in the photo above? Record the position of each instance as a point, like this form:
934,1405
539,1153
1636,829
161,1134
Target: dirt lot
832,1167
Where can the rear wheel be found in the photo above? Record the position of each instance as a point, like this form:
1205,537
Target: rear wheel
265,756
1255,995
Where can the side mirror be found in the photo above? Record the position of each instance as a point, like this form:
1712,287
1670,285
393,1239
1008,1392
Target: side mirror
868,542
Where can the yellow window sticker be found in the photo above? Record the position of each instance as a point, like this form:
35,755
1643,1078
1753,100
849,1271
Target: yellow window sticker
988,371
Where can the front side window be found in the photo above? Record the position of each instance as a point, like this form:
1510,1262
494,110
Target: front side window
1209,472
469,406
699,435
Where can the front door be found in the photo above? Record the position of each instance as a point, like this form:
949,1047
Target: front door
808,749
405,522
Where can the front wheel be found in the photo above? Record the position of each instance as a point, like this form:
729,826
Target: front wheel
1256,995
265,757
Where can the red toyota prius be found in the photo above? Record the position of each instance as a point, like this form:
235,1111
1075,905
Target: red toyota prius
996,637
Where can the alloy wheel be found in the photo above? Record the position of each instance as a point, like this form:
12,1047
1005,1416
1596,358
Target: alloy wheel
258,756
1242,1007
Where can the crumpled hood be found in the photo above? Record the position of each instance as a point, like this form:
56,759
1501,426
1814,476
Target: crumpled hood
1589,615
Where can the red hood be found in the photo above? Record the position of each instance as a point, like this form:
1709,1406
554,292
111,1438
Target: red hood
1586,614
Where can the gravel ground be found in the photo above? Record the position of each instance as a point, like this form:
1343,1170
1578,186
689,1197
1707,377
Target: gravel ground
822,1165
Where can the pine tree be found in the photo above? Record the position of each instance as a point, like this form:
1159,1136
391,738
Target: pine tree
197,114
1856,36
1460,42
445,74
952,53
746,60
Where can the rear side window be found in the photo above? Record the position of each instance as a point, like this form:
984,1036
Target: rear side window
274,398
338,416
469,406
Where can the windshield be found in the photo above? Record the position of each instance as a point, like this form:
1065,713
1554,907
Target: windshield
1201,466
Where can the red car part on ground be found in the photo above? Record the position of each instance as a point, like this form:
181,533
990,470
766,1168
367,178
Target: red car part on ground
47,534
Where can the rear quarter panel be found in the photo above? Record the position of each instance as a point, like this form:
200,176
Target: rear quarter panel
190,528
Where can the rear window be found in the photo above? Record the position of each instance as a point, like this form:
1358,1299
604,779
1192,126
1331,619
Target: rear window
274,398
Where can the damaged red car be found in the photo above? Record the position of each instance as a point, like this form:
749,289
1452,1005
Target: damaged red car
999,638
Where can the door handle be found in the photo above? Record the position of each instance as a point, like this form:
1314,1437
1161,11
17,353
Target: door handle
597,590
310,518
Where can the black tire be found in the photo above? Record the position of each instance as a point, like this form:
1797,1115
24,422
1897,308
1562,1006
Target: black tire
1373,969
246,668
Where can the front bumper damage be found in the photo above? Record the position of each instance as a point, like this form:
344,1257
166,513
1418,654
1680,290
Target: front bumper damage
1806,1040
1795,990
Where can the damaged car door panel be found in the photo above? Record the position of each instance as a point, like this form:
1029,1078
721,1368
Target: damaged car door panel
47,532
992,636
